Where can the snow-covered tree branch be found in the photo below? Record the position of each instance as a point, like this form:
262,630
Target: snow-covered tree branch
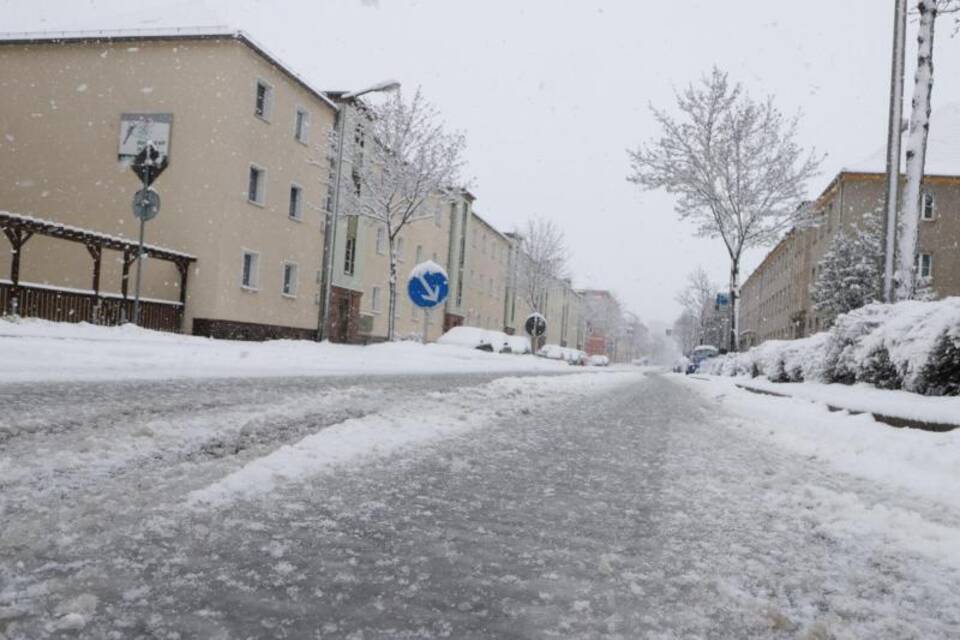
399,156
850,274
734,164
696,298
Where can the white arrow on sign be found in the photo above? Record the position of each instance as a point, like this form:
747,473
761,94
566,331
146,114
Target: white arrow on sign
433,294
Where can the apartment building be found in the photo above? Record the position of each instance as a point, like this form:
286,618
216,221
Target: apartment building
238,248
242,195
564,312
775,299
601,318
486,275
426,237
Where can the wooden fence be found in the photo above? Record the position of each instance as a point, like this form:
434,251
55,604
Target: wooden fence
60,305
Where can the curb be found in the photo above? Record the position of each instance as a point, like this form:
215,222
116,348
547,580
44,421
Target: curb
893,421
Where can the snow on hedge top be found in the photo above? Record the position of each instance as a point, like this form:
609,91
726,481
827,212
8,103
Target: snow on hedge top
943,147
424,268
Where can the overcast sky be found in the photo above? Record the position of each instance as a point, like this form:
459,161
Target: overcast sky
550,93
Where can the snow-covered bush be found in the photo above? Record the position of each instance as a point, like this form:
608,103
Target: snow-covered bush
913,345
941,374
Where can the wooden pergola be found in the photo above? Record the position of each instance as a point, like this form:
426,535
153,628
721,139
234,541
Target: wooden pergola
20,228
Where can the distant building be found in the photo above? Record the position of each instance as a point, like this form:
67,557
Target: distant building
775,299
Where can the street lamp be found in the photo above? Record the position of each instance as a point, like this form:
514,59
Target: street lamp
331,244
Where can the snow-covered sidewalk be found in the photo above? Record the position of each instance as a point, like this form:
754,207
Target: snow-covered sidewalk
927,464
36,350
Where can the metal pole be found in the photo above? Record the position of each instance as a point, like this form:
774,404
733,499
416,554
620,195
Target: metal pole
332,231
893,145
426,323
136,290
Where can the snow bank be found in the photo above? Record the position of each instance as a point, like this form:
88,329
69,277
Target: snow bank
37,350
925,463
423,420
911,345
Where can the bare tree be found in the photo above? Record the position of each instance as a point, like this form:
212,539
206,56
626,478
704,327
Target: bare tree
735,165
400,156
696,298
916,148
541,262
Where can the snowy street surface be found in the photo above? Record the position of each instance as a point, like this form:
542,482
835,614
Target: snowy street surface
612,503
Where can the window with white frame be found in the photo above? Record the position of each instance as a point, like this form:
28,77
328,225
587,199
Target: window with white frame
375,299
400,249
295,209
249,271
301,125
929,206
381,240
256,189
290,278
264,100
419,253
438,214
924,265
350,247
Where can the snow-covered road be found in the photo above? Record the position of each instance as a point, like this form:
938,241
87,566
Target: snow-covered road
603,504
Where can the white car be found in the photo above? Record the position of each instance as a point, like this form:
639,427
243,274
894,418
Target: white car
598,361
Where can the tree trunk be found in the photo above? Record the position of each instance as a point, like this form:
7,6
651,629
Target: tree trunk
392,292
734,281
916,153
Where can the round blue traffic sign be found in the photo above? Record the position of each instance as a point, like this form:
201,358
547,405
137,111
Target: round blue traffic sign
428,285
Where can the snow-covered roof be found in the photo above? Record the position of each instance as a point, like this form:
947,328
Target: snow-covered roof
166,33
943,147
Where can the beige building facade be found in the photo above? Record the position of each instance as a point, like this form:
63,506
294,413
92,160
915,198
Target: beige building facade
775,299
240,194
240,240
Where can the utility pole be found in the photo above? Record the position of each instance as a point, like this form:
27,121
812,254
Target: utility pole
894,130
333,219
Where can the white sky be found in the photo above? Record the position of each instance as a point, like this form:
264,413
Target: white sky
550,94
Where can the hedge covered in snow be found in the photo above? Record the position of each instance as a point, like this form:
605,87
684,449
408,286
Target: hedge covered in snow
914,346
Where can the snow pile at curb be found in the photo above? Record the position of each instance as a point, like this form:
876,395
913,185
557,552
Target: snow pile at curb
914,346
37,350
433,417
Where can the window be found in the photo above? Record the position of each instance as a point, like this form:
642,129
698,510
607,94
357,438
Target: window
249,276
290,273
419,253
381,240
301,125
924,265
375,299
400,249
929,206
264,102
255,186
438,214
296,202
350,247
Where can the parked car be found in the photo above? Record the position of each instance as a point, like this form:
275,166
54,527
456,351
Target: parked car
598,361
556,352
699,354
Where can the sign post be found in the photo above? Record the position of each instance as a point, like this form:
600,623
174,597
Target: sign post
428,287
148,164
535,326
